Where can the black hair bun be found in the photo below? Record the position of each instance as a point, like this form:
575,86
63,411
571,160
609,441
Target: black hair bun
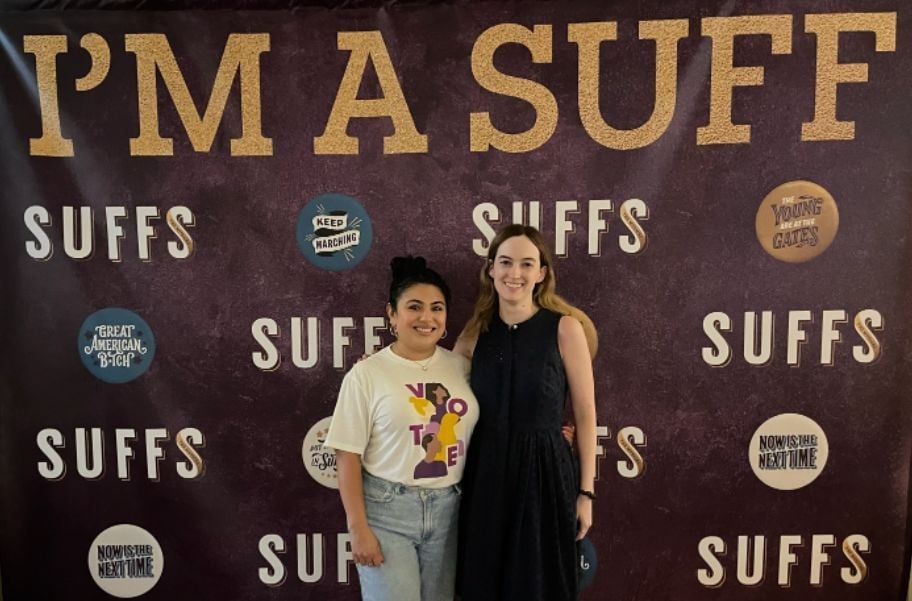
404,267
409,271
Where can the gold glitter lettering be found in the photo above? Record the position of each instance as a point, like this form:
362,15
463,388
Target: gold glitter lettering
589,36
100,54
483,135
831,73
725,76
241,56
365,45
46,48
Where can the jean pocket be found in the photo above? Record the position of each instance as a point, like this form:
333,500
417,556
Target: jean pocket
377,492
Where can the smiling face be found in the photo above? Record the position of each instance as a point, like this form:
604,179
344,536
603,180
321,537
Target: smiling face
516,269
419,319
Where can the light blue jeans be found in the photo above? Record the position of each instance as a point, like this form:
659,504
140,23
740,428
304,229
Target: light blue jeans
416,528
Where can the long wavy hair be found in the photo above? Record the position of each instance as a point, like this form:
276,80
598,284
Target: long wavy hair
544,293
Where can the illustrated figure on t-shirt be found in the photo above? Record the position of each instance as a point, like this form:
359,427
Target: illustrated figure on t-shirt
434,399
438,394
442,425
430,466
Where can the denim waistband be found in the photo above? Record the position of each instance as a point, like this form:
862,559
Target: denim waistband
400,488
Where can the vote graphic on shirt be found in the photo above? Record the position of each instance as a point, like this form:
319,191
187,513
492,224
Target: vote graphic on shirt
437,436
410,422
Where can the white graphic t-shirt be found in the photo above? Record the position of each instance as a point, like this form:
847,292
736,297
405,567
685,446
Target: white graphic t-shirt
409,424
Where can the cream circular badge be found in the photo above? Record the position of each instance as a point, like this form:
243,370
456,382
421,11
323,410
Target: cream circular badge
126,561
788,451
334,232
797,221
116,345
320,460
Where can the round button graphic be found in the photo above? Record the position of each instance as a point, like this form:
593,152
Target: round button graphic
320,460
797,221
116,345
125,561
334,232
788,451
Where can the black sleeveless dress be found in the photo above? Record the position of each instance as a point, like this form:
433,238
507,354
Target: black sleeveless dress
518,516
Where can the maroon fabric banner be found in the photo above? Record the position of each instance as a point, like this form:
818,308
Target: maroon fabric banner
199,209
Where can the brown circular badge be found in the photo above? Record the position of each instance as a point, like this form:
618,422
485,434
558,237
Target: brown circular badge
797,221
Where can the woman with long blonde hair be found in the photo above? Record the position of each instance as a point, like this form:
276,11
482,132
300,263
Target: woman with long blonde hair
525,502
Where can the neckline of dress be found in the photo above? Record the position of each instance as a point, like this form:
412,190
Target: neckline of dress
516,326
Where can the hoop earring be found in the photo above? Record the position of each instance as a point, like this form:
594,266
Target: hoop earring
444,334
392,330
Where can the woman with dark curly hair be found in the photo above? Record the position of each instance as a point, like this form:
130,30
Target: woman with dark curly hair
401,430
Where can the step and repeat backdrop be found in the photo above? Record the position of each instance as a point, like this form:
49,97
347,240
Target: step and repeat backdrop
198,213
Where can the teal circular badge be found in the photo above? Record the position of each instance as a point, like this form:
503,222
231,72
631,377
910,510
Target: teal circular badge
334,232
116,345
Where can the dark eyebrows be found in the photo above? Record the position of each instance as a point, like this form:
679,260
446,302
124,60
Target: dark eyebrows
421,302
